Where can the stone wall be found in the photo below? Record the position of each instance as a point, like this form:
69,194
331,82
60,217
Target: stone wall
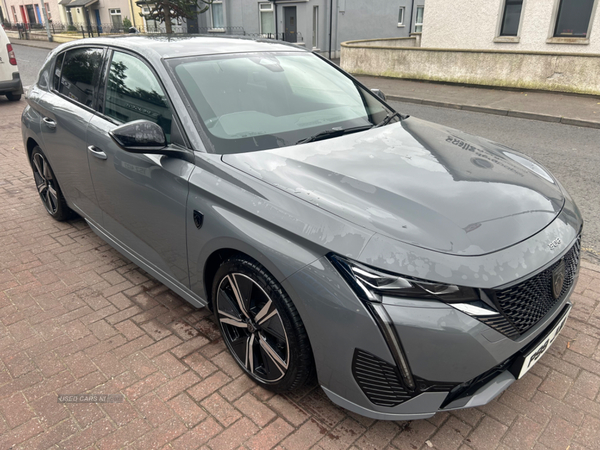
566,72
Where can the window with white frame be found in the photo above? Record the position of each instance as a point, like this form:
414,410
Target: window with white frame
511,18
115,17
315,33
48,11
267,20
151,25
401,12
573,18
419,19
216,15
14,14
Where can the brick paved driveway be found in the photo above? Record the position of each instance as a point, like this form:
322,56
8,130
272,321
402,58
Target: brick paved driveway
77,317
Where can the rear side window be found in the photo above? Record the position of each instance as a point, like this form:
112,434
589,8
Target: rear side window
80,73
57,69
134,93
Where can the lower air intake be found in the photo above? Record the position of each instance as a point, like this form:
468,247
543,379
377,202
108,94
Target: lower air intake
378,379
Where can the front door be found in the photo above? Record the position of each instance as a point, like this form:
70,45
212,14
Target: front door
289,13
192,23
143,197
38,14
23,14
98,21
30,14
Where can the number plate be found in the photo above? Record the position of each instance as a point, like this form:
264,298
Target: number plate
536,353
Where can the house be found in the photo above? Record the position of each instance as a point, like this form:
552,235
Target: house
311,23
28,12
525,44
104,15
319,25
557,26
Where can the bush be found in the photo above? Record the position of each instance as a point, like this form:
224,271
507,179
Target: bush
71,28
126,23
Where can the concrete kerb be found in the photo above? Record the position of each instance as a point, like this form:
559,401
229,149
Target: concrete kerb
37,44
499,112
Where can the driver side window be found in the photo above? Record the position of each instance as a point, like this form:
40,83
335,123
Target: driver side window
134,93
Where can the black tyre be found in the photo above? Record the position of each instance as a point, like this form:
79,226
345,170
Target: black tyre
260,325
48,187
13,97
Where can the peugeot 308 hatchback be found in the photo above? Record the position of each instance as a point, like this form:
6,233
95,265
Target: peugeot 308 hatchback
410,267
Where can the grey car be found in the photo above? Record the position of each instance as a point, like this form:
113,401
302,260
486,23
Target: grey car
408,267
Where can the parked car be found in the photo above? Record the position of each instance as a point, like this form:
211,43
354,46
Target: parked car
10,81
412,268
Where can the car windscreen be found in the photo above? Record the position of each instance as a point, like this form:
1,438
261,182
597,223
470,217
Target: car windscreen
256,101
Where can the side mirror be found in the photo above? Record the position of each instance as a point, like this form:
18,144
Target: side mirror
379,94
140,136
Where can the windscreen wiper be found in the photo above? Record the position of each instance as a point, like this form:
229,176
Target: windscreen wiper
334,132
388,119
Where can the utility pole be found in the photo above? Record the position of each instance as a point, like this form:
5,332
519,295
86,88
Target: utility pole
46,21
275,8
330,25
8,17
412,10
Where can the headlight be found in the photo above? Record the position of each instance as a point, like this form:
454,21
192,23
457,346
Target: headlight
371,284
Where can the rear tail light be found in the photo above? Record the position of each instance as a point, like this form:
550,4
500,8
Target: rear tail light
11,55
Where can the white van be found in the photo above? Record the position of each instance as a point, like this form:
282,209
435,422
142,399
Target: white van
10,81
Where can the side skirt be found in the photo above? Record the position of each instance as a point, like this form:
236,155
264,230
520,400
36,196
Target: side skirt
176,286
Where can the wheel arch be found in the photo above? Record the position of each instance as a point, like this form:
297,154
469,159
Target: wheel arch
211,266
278,264
221,253
30,145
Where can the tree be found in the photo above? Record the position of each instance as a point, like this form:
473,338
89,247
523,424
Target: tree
164,11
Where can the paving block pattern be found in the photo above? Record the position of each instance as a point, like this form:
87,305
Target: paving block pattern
76,317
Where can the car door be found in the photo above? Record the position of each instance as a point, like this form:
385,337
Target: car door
66,111
143,197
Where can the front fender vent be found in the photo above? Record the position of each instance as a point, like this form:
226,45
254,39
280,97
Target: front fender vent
378,379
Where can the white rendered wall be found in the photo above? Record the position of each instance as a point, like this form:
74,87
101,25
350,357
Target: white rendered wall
474,24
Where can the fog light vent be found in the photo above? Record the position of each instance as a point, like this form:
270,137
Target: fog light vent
378,379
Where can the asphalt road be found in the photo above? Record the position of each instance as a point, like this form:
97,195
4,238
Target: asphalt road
29,60
570,153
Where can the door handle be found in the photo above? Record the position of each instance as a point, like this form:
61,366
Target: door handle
49,122
97,152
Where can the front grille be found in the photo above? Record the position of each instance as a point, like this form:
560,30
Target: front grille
378,379
501,324
525,304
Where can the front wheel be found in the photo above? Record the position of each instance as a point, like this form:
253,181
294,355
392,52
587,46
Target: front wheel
261,326
13,97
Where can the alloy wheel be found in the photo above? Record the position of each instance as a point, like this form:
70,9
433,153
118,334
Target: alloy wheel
45,183
252,327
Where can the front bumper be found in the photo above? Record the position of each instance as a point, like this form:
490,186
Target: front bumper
13,86
447,350
476,392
